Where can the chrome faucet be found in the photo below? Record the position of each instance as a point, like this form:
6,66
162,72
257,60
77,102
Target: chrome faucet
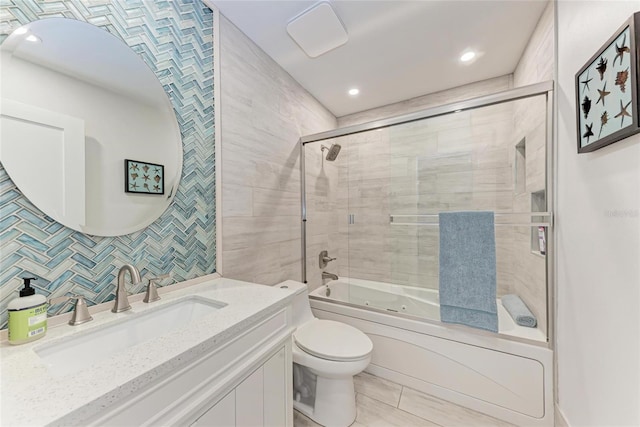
122,300
331,276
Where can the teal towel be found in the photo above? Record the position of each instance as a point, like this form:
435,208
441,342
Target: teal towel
468,269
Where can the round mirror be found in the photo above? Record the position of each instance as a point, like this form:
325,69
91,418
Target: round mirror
88,133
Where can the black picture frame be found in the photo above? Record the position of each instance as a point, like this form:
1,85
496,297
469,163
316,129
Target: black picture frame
138,181
591,110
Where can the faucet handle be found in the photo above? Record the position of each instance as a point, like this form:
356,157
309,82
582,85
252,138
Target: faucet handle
80,311
152,290
324,259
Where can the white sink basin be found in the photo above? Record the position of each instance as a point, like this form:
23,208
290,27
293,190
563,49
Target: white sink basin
75,353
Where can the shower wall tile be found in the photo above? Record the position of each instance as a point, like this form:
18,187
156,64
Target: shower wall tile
238,200
454,182
492,180
446,163
536,153
497,113
536,63
493,135
175,39
500,201
249,262
275,202
455,140
527,115
242,232
491,157
264,112
442,201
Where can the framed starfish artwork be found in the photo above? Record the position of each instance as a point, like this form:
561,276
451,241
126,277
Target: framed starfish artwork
143,177
607,90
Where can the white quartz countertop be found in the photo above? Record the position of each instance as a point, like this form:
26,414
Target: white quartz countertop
32,394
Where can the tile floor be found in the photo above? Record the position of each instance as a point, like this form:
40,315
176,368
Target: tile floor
382,403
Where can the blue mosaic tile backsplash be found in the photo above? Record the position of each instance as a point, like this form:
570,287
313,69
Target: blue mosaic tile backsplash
175,38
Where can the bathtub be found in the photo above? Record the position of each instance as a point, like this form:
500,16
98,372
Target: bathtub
412,301
507,375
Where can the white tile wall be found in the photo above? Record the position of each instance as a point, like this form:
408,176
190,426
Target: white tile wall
536,63
263,113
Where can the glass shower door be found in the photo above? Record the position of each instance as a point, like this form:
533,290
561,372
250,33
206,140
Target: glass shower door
387,172
375,205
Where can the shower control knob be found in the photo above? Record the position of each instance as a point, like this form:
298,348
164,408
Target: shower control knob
324,259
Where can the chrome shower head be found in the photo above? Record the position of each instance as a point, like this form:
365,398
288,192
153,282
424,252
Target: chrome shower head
334,150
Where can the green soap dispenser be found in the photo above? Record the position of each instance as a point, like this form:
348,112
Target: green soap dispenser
27,315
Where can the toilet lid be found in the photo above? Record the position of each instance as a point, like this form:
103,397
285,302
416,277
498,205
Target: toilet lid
331,340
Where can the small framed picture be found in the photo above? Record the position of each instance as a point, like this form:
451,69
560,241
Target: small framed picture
607,90
143,177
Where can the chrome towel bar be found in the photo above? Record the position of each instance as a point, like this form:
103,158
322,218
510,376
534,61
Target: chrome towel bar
543,219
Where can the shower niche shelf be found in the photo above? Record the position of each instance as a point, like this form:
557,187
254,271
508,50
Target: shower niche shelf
538,204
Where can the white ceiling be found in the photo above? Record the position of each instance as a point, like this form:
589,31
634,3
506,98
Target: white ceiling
396,50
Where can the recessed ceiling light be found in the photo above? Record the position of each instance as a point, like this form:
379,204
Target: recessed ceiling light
354,91
33,39
467,56
21,30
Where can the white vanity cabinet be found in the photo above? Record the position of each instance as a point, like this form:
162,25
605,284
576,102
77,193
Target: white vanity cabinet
213,352
246,381
259,400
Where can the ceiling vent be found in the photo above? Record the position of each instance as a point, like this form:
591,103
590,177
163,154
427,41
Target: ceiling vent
317,30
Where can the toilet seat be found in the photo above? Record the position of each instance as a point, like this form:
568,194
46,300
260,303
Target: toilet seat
331,340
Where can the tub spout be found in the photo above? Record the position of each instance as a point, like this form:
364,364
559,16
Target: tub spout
331,276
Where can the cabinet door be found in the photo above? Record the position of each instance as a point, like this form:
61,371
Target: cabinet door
223,413
250,400
260,400
275,390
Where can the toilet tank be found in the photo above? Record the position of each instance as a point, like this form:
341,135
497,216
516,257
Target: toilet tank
301,308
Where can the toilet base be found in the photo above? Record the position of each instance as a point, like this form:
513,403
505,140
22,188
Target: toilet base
335,402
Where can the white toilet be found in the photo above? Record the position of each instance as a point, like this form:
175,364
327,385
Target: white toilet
326,356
